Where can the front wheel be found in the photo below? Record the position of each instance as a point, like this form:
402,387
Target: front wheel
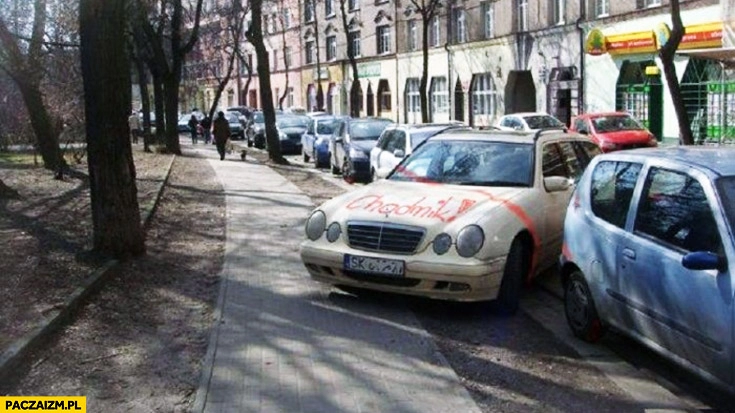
516,268
580,310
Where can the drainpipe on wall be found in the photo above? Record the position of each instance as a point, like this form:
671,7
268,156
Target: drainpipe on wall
449,81
580,30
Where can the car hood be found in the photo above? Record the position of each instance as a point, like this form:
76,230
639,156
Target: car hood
429,205
625,137
364,146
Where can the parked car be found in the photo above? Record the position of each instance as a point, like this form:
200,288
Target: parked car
291,128
529,121
350,146
237,131
255,130
398,141
649,250
315,142
183,123
469,216
613,131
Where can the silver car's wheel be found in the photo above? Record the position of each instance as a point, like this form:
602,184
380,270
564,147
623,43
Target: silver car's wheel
579,307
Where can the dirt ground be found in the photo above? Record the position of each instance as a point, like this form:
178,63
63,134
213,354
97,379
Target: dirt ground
138,344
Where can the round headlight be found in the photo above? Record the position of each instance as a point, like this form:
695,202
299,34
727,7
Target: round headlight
315,225
442,243
333,232
470,240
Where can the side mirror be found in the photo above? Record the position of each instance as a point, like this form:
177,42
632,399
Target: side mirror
703,260
399,153
557,183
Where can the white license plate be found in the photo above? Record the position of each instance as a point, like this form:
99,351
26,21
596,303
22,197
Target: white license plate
380,266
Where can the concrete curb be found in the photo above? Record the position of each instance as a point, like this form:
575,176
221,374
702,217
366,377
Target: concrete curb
24,346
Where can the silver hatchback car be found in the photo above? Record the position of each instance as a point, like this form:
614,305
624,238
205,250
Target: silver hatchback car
648,249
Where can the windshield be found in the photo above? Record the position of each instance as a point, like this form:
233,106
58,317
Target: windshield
543,121
326,126
232,117
258,117
367,130
615,123
292,122
461,162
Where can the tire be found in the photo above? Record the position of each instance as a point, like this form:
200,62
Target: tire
335,169
348,173
306,157
580,310
317,164
516,268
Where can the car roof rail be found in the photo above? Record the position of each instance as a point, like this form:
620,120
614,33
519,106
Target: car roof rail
541,131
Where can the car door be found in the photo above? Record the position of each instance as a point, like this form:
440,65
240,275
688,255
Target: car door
337,148
378,149
687,312
558,159
307,139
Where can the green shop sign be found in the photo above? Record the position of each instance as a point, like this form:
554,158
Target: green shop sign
368,70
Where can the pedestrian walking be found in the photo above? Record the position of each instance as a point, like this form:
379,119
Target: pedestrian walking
134,125
206,124
193,124
221,134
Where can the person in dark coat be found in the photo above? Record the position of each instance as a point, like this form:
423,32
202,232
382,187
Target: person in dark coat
221,133
193,124
206,125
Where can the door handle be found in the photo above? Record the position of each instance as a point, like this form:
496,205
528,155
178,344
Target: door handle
629,253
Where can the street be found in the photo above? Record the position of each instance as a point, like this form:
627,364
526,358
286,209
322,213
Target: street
529,362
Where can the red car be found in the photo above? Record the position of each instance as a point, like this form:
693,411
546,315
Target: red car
613,131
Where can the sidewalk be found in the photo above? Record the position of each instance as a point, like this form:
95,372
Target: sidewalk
285,344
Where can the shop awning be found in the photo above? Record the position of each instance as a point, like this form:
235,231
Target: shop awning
725,55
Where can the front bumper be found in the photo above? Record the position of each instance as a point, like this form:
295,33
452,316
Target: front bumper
477,281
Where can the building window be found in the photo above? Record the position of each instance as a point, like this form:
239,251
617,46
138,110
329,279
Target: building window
558,7
460,25
522,20
434,32
354,43
413,95
331,48
353,5
602,8
290,100
275,59
286,18
309,11
384,103
488,19
287,56
483,95
329,8
309,52
383,35
439,95
652,3
413,38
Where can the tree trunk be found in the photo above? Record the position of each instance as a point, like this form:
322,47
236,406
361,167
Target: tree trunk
355,87
667,54
158,99
145,102
424,96
47,137
255,37
171,107
117,230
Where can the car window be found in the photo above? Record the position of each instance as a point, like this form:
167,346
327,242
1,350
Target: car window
674,209
581,126
418,137
399,141
258,117
611,190
726,191
383,139
482,163
542,121
552,164
326,126
369,130
586,150
615,123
